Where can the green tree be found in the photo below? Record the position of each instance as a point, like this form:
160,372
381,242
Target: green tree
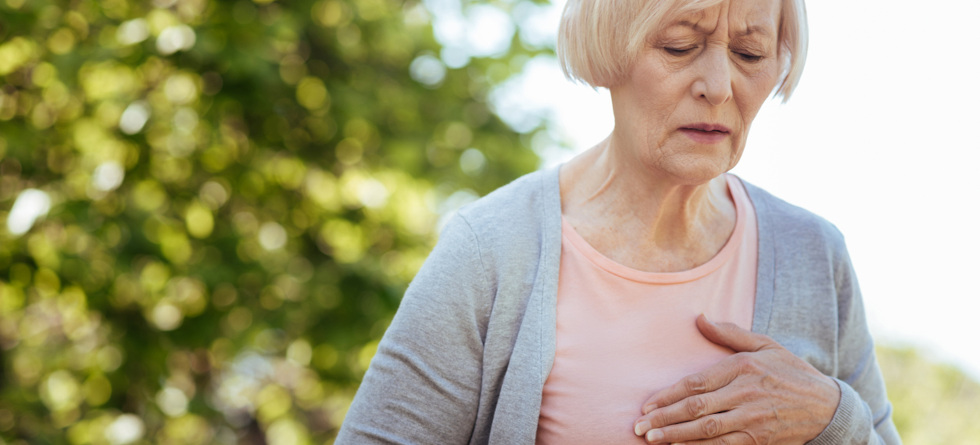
933,403
213,207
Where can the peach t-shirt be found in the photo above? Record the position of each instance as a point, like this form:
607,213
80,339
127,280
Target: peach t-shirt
624,334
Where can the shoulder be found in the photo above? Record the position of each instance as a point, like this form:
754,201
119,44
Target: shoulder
794,226
516,213
806,285
521,201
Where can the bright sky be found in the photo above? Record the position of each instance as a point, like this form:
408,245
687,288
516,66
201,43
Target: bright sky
880,138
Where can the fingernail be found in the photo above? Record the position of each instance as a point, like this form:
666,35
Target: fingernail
641,428
655,436
649,408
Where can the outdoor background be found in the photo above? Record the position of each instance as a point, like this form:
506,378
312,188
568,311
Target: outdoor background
210,209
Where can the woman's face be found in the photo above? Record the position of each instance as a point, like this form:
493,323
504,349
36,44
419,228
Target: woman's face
686,107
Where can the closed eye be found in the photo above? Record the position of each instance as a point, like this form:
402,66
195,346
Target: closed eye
748,57
679,51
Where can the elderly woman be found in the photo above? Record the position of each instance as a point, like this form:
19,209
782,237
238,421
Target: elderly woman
639,293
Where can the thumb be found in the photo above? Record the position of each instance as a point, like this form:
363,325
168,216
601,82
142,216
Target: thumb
732,336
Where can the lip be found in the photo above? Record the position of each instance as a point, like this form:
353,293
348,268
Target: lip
705,133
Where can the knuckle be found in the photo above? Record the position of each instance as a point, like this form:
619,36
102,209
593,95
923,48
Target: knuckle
696,407
745,362
769,381
711,427
740,438
746,438
754,392
696,383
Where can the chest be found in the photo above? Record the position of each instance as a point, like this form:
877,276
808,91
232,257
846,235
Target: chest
622,336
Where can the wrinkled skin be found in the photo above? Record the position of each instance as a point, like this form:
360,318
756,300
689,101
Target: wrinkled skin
763,394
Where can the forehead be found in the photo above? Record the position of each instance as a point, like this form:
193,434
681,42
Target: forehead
741,17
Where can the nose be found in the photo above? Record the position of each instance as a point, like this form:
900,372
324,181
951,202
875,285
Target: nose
714,81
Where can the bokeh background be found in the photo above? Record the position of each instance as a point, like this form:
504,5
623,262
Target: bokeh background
211,208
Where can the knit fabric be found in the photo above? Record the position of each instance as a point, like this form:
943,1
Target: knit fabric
466,356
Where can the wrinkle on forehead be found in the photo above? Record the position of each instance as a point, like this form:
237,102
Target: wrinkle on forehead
704,21
755,17
745,17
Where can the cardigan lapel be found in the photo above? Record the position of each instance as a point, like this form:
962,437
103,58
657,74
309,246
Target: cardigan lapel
519,405
765,281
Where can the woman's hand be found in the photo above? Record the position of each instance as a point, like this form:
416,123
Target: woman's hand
761,395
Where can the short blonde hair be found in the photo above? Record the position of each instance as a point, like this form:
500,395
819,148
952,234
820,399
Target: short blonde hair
598,40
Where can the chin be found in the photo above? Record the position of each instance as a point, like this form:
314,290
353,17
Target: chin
691,171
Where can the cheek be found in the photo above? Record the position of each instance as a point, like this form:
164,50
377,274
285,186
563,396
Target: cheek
756,90
738,147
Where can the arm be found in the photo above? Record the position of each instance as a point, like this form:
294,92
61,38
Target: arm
864,413
423,384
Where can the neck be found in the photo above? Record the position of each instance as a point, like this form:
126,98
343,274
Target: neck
642,218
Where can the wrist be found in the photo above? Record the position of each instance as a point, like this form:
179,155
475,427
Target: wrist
826,410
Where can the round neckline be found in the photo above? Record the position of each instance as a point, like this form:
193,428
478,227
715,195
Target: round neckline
727,251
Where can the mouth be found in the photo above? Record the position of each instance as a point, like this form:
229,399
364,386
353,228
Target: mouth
707,128
706,133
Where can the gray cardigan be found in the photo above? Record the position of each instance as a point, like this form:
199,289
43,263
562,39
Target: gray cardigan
466,356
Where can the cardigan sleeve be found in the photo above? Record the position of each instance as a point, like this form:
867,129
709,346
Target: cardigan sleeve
864,415
423,385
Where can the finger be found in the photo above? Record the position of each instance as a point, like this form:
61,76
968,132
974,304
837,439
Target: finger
732,336
733,438
691,408
708,427
717,376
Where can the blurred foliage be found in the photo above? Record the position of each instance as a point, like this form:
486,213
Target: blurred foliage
213,207
933,403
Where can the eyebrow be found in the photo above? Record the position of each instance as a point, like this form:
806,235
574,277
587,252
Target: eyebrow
754,29
692,25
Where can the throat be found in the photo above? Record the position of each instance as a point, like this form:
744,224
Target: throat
634,246
666,233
